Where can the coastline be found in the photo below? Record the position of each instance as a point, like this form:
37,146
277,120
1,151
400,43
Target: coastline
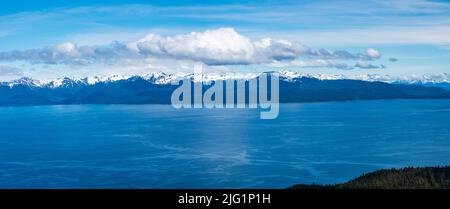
395,178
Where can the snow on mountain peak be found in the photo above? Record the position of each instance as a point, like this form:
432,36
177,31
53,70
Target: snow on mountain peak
167,78
26,81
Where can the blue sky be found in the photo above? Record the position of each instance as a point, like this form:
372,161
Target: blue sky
49,39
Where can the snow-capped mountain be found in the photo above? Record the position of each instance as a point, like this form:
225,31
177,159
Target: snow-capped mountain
155,88
409,79
167,78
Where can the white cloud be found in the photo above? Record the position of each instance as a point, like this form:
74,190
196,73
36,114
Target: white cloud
66,48
342,54
270,49
223,46
365,65
373,53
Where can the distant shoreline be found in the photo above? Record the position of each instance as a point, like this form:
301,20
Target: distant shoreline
167,104
403,178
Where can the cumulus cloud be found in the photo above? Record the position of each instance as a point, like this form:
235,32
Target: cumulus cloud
373,53
70,54
365,65
66,48
370,54
216,47
223,46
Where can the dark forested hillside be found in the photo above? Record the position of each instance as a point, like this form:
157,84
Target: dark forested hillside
405,178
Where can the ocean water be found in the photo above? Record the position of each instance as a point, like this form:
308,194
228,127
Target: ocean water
156,146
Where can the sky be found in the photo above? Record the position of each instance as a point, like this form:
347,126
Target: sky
48,39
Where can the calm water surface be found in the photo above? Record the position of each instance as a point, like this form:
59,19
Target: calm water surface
156,146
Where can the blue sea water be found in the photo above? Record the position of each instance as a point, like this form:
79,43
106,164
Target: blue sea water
156,146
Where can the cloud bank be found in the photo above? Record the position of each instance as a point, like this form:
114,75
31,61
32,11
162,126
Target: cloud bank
9,71
223,46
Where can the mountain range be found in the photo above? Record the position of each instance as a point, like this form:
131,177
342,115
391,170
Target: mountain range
156,88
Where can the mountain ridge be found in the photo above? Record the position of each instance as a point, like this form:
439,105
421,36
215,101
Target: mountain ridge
166,78
157,89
